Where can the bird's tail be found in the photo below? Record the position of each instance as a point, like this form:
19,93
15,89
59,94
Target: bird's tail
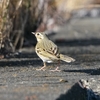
66,58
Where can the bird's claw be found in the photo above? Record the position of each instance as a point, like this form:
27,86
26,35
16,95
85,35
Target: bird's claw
41,69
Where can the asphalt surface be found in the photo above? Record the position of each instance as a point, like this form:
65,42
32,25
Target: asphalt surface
19,79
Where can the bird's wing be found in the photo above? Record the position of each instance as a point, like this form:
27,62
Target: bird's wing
52,48
46,53
49,49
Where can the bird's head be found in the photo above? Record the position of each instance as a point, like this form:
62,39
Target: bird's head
39,35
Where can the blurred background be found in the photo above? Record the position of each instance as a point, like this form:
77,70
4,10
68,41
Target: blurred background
60,19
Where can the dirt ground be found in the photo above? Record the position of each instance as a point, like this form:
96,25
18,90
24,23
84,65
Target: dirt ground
19,79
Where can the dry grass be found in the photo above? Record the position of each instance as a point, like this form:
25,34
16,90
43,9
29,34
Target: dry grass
18,18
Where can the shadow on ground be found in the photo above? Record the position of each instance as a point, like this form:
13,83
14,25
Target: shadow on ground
88,71
19,63
79,42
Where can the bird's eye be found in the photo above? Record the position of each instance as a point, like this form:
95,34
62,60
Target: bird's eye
37,33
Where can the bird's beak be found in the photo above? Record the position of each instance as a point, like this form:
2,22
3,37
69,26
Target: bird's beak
33,33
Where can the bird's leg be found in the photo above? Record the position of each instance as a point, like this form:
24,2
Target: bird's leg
42,68
57,68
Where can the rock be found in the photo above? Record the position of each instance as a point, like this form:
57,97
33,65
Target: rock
83,90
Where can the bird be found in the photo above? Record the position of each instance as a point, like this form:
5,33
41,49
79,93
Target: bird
48,51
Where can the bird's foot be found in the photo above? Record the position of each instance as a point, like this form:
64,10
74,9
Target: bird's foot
42,68
56,70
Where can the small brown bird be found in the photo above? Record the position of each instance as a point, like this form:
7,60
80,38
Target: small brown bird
48,51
